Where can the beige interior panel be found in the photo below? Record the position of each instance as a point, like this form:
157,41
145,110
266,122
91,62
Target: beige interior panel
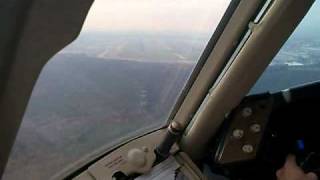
121,159
217,59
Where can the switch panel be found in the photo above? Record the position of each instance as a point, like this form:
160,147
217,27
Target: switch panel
245,126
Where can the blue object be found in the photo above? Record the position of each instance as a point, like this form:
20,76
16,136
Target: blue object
300,145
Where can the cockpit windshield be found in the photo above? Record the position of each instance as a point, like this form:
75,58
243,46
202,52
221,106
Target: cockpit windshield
122,74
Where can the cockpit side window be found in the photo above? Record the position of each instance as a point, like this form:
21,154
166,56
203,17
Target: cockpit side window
298,61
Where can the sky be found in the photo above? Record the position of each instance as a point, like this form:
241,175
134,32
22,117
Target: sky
155,15
310,25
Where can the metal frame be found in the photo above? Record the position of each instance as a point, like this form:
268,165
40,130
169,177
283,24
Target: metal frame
204,56
218,58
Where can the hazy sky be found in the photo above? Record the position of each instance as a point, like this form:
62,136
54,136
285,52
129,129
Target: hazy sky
155,15
310,25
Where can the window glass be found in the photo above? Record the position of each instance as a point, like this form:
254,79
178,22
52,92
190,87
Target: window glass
298,61
122,74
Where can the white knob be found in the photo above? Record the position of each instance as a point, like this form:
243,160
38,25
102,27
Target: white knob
137,157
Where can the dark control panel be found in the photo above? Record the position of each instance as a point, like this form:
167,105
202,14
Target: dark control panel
241,137
264,129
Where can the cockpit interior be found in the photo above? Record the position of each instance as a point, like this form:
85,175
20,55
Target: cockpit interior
218,127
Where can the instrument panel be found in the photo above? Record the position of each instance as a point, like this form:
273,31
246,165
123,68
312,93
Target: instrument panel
258,135
244,131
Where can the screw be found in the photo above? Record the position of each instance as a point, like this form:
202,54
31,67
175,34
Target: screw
256,128
246,112
238,133
247,148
